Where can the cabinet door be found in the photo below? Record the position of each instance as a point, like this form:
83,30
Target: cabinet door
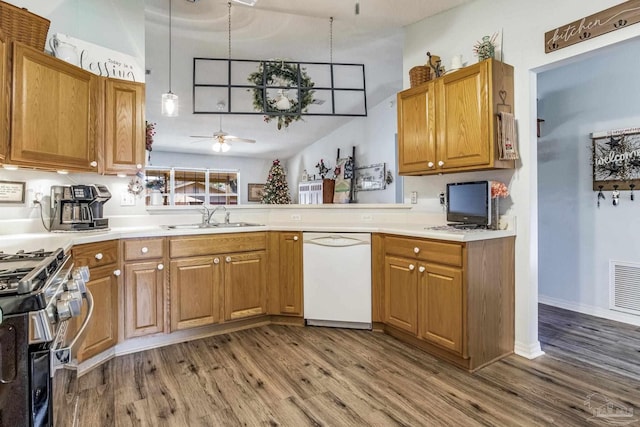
290,273
463,118
195,292
123,146
54,107
4,98
441,306
401,292
245,285
416,129
102,332
143,298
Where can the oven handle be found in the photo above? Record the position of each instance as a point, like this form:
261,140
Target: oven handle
62,356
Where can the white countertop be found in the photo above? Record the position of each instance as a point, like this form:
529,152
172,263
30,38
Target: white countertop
49,241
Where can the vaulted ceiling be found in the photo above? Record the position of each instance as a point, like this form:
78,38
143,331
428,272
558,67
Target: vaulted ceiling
283,29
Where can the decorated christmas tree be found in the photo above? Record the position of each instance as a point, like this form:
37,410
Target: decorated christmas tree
276,189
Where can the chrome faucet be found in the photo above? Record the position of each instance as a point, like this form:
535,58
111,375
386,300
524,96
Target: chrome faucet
207,214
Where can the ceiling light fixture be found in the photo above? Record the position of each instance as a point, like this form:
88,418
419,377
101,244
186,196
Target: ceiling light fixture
247,2
170,99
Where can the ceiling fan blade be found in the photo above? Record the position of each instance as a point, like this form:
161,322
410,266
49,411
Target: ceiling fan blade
202,136
236,139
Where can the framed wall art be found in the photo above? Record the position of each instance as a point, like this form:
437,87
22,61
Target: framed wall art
371,177
616,159
254,193
12,192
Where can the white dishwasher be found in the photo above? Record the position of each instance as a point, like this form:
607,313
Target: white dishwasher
337,279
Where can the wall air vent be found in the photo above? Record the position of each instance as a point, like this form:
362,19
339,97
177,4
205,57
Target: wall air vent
624,287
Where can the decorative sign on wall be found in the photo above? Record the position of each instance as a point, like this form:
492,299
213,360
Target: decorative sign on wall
96,59
616,159
600,23
12,192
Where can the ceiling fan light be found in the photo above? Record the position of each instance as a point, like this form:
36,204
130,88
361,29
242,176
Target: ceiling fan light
217,147
225,147
169,104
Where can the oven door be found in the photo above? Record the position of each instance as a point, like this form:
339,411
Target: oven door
14,371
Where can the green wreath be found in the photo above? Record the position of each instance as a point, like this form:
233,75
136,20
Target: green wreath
282,108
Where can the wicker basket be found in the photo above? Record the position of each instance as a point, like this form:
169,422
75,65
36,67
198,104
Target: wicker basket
419,74
23,26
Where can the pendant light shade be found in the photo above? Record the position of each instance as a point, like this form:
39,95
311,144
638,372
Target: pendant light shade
170,99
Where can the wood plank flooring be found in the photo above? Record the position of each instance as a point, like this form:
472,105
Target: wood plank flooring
291,376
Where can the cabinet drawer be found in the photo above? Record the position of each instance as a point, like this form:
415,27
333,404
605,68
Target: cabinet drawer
140,249
426,250
96,254
214,244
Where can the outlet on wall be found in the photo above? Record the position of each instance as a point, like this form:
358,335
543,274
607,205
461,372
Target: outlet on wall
127,199
414,197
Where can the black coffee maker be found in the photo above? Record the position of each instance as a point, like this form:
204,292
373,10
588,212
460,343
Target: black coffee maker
78,207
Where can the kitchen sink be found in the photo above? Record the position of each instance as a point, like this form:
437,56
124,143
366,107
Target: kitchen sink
212,225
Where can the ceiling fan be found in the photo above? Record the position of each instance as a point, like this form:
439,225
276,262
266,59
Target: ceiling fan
222,138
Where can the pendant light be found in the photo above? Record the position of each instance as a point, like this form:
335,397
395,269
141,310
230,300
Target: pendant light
170,99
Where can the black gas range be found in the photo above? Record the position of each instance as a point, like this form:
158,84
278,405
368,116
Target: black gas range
40,292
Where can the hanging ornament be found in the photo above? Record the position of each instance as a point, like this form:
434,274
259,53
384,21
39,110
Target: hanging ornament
615,196
600,195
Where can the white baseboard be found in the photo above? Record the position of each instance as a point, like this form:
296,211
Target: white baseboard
591,310
528,351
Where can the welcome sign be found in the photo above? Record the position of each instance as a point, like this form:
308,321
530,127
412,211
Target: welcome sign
616,159
97,59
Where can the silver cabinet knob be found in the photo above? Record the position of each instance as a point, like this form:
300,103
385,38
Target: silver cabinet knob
416,250
228,259
295,238
93,164
440,163
99,256
144,250
430,164
412,267
421,269
117,273
216,260
160,267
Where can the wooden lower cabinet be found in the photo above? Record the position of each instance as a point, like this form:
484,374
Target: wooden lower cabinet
441,305
401,294
102,332
143,301
455,300
245,285
195,292
285,273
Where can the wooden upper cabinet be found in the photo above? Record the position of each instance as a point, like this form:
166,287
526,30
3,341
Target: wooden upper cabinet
4,98
449,124
54,110
463,119
416,129
122,148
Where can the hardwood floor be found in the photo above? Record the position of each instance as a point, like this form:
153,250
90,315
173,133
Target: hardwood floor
291,376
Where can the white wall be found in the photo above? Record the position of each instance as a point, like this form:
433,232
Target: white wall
251,170
523,23
576,238
114,24
373,136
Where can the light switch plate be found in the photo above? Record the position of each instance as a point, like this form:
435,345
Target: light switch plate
414,197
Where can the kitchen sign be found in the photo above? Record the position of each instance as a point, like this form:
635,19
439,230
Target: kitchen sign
600,23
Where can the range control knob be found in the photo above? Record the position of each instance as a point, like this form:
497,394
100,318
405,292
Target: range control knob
81,273
69,305
76,285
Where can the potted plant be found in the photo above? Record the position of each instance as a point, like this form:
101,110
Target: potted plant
155,185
